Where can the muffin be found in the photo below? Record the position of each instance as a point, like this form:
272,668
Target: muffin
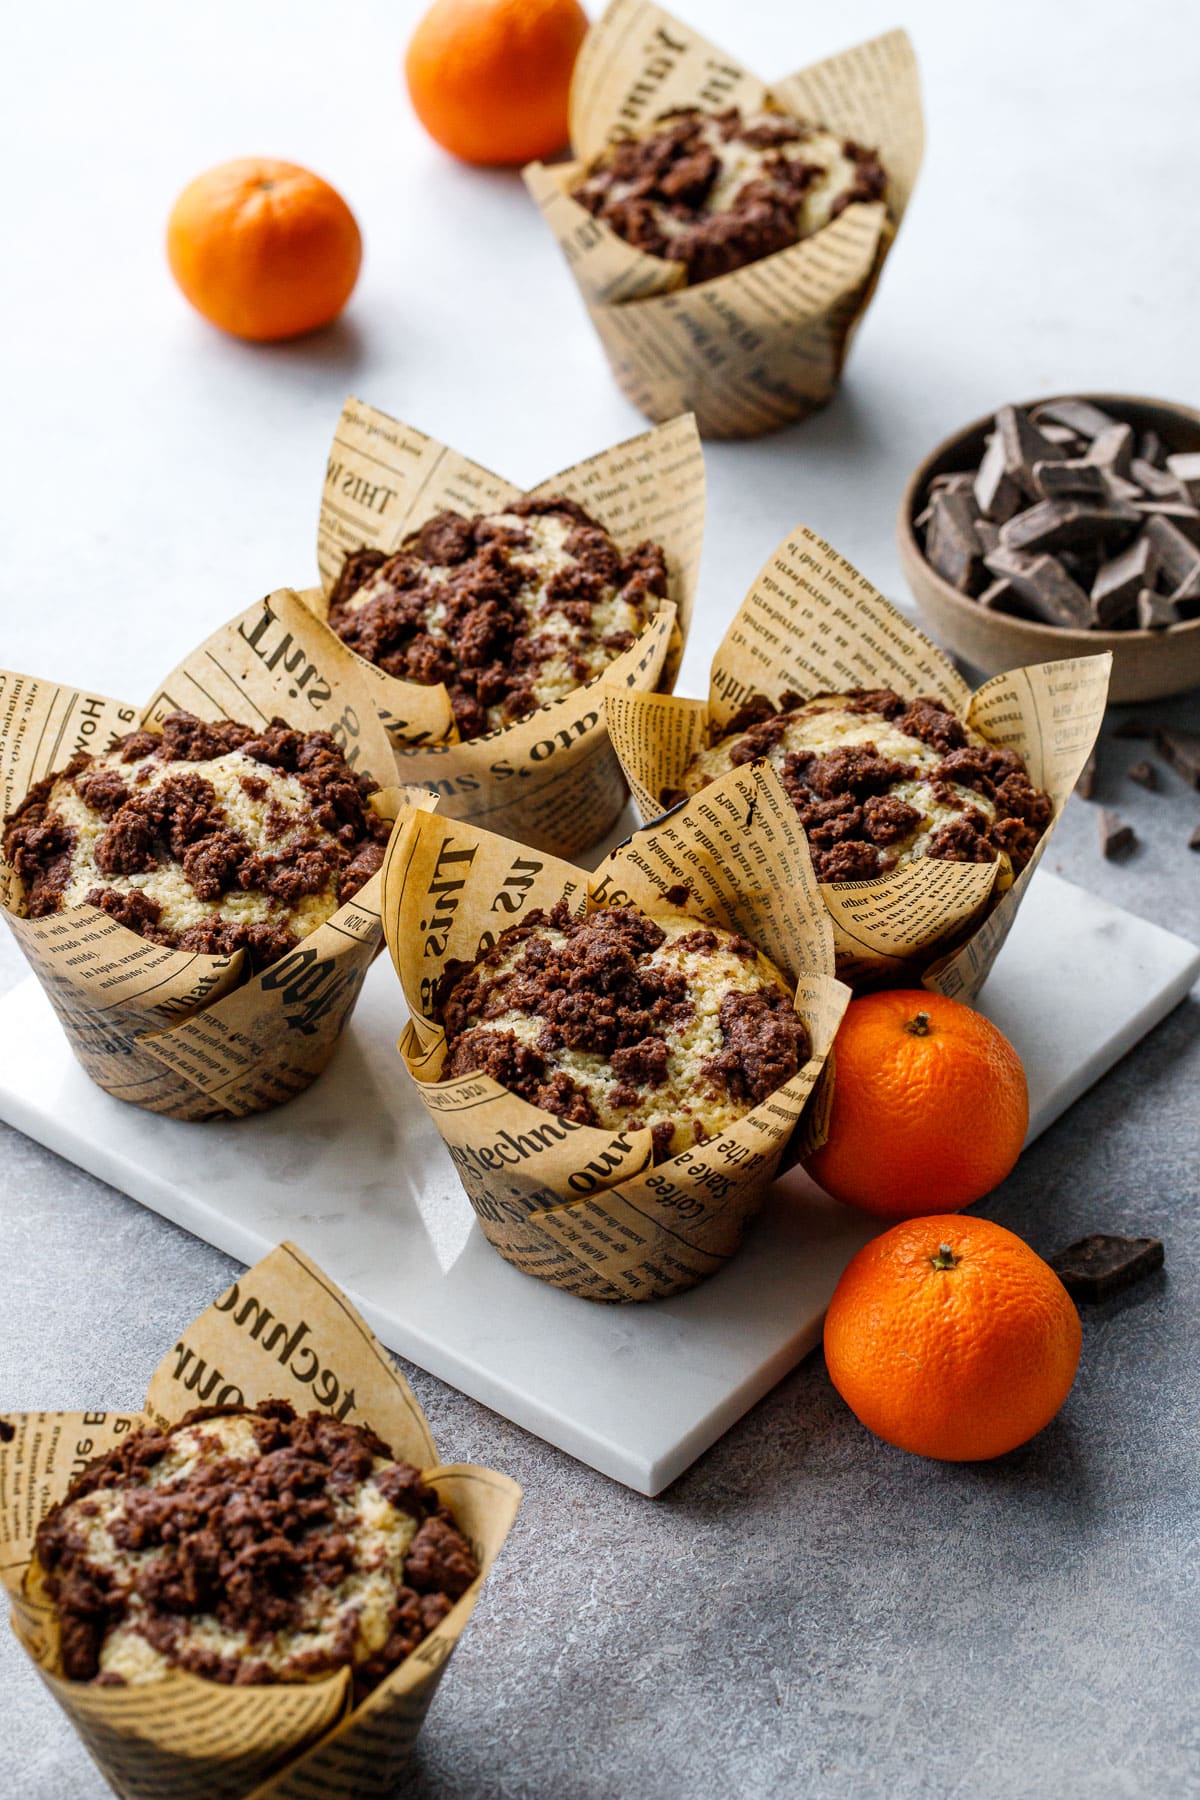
203,837
715,191
626,1022
508,610
878,781
249,1545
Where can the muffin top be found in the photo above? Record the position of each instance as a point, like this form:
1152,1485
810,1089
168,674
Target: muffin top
626,1022
247,1545
878,781
210,838
717,190
508,610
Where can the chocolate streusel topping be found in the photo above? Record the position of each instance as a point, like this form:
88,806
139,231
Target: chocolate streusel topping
854,820
245,1545
500,614
675,192
332,842
595,990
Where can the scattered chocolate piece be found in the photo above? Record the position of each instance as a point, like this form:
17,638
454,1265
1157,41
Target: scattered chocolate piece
1101,1264
1155,611
1145,774
1116,837
1085,786
1182,751
7,1432
1194,840
951,543
1186,470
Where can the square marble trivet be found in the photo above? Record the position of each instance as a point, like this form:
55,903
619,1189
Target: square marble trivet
355,1173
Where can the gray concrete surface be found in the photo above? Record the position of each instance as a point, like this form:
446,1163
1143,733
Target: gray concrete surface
807,1612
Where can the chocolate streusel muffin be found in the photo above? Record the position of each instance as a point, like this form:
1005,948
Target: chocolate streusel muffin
248,1545
878,781
715,191
204,837
624,1021
508,610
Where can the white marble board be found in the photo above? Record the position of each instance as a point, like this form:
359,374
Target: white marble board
354,1172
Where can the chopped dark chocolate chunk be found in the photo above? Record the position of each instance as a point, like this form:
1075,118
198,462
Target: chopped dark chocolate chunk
1185,468
1145,774
1116,837
1102,1264
1156,481
1194,840
1001,596
1079,416
1059,524
1044,585
1182,751
952,544
1155,612
1085,785
1022,445
1184,518
998,494
1112,449
1177,555
1058,480
1120,580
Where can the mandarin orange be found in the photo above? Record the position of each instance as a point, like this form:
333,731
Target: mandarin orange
951,1338
490,79
264,249
930,1106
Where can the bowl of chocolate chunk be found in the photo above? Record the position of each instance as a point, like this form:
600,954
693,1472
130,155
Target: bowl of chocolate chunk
1061,527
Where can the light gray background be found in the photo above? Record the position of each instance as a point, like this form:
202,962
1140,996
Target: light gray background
807,1611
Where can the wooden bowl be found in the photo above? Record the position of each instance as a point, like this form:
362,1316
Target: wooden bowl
1147,665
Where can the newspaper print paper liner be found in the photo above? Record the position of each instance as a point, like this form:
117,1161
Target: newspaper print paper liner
551,779
174,1031
812,624
195,1739
575,1205
752,350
